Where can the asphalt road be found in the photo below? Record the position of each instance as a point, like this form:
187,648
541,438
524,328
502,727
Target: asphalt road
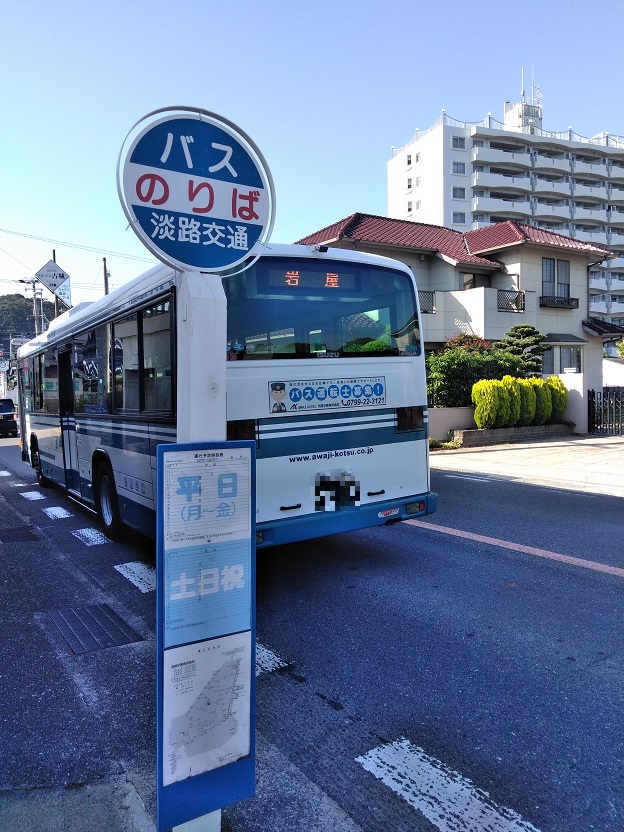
391,657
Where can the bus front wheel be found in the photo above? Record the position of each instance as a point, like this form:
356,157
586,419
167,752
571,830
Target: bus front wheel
43,481
107,504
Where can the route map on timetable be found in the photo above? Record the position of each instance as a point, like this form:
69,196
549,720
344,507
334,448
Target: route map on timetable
206,711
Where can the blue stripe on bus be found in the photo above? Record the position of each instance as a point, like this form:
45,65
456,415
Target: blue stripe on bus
295,445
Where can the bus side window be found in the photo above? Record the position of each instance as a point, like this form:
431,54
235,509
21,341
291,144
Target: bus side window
126,364
156,368
92,374
50,387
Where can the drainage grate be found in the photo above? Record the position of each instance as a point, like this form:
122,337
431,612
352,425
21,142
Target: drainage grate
17,535
93,628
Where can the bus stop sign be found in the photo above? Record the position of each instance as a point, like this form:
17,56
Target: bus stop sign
196,190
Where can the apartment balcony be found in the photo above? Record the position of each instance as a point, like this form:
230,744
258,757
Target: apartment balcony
616,265
601,284
597,215
489,155
545,211
590,168
616,307
616,217
616,196
598,238
591,191
558,187
598,307
555,302
551,163
487,179
488,313
490,205
616,173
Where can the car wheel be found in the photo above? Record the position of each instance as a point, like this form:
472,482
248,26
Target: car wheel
106,502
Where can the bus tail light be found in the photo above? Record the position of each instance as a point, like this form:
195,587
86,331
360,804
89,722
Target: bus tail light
242,429
410,418
415,508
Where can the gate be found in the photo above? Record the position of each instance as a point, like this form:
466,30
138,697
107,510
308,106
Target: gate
605,411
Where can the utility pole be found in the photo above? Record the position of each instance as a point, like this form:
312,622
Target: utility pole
56,300
105,276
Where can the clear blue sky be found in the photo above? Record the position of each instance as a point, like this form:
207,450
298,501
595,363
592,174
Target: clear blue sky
324,87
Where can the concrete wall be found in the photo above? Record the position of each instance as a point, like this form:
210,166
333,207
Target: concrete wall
445,419
576,411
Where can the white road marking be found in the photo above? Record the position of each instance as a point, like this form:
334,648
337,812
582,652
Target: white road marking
267,661
90,537
467,477
32,495
449,801
57,512
142,575
5,474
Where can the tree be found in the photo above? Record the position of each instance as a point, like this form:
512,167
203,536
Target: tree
620,348
526,342
16,316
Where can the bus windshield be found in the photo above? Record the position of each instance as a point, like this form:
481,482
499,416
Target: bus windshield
303,308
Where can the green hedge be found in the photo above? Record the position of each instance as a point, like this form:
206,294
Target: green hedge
559,395
518,401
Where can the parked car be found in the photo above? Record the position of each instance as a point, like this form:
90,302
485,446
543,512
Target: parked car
8,423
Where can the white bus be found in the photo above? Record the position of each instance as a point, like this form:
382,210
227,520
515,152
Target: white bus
325,372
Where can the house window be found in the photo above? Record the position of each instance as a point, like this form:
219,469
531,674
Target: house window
417,182
548,362
570,359
459,217
459,193
409,207
459,142
409,159
409,184
417,205
555,277
459,167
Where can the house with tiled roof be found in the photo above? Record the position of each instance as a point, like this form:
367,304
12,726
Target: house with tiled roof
485,281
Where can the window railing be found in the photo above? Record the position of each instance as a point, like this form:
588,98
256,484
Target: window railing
559,303
510,300
427,302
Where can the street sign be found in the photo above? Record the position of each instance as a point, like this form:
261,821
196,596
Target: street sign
205,628
56,280
196,190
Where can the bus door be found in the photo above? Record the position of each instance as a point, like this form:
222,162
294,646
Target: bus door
68,421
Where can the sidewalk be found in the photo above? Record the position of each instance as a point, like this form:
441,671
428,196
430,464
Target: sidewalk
581,463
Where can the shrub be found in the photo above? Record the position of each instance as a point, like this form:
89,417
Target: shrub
559,395
543,401
513,390
528,402
485,395
503,411
453,372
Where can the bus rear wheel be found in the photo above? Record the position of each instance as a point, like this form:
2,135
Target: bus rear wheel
106,502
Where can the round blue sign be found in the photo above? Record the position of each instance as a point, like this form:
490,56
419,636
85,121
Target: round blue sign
196,190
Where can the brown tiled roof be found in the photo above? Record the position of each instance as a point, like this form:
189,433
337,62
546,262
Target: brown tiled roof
596,326
368,228
509,233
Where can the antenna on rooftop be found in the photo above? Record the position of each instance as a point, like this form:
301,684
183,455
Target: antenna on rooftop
522,90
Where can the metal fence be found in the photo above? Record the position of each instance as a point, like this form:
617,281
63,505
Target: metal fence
606,410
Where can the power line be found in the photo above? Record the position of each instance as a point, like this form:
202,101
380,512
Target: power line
74,245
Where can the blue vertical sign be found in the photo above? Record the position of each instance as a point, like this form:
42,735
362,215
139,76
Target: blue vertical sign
196,190
205,628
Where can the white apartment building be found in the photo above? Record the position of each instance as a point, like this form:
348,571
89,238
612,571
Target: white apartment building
466,176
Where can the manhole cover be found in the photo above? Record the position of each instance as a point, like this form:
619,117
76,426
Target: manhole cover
93,628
